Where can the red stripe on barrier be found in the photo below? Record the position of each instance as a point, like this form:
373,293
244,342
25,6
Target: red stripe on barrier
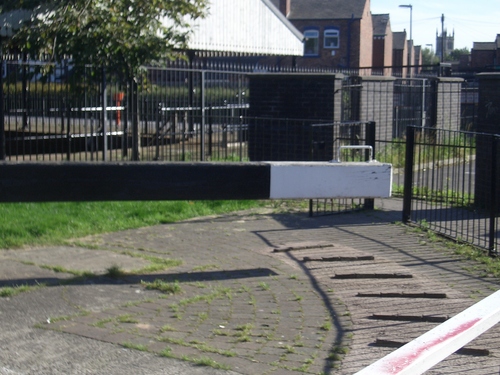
396,365
435,345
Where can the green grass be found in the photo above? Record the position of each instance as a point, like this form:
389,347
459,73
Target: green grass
428,149
127,318
485,265
26,224
163,286
13,291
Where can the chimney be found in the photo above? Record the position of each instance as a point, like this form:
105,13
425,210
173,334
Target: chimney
285,7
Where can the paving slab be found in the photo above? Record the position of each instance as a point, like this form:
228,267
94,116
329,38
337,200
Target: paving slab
248,296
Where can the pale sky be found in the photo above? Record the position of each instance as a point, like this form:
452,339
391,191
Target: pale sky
472,20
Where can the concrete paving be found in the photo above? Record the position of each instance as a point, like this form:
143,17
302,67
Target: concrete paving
254,292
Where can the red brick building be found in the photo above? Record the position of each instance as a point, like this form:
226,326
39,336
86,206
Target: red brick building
400,54
338,33
417,58
485,54
382,44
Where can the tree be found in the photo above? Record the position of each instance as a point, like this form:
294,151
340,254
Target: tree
428,57
119,34
456,53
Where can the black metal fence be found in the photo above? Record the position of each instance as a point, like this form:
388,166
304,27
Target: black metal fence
446,188
49,116
196,113
49,113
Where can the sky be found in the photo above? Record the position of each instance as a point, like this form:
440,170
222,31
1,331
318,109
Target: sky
472,20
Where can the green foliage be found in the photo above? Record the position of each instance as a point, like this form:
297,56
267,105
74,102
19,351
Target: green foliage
446,196
428,149
456,53
119,34
164,286
126,318
12,291
206,361
393,153
429,57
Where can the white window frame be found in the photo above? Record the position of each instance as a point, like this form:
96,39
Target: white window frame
330,34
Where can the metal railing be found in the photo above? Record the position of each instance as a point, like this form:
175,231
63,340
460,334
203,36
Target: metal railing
197,113
451,185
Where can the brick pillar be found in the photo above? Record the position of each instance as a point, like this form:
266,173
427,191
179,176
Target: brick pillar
377,104
282,109
449,91
488,122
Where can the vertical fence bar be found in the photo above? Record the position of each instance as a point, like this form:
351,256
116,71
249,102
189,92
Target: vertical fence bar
24,92
190,111
68,114
370,129
202,122
493,192
210,131
2,115
104,116
157,136
134,110
408,180
126,114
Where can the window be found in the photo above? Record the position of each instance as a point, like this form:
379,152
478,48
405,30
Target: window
311,45
331,38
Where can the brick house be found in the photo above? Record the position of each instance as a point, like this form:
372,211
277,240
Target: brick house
417,58
400,54
382,44
485,54
338,33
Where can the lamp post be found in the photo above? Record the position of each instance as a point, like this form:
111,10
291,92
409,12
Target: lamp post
411,38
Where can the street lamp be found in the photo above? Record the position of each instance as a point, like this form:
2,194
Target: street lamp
411,37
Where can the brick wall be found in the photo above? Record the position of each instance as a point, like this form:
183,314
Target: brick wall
482,58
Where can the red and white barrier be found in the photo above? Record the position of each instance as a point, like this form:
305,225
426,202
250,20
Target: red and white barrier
435,345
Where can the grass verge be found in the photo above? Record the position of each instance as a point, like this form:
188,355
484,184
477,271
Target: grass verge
26,224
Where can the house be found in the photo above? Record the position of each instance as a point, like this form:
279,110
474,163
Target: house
338,33
485,54
382,45
399,54
417,59
406,57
